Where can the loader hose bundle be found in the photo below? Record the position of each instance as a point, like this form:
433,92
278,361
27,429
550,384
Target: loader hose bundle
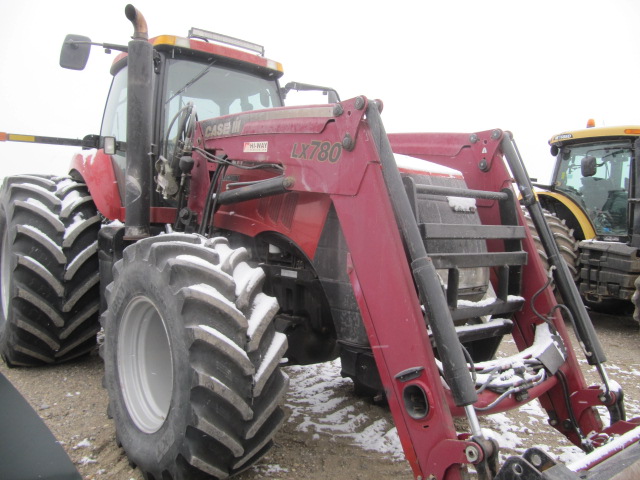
517,374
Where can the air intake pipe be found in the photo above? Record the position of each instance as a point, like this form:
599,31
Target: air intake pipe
138,174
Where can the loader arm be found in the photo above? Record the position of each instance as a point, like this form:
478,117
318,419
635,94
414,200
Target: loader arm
341,151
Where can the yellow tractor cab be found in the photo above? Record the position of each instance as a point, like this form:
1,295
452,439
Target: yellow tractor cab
593,191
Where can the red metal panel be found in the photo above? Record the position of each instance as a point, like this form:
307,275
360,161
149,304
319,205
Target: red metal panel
97,171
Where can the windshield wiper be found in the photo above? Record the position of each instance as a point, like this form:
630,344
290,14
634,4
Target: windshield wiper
191,82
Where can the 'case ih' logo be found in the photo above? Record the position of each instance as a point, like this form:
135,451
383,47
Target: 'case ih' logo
221,129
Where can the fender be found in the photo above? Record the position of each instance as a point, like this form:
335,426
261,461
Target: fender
578,213
97,172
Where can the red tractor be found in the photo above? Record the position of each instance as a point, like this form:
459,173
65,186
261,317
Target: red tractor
218,235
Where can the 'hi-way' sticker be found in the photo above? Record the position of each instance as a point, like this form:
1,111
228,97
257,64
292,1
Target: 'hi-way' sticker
255,147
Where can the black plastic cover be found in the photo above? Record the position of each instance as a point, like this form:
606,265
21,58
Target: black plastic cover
28,449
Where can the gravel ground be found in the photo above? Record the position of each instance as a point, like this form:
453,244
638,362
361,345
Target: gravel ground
330,434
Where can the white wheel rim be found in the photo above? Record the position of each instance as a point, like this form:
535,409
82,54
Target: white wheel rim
145,365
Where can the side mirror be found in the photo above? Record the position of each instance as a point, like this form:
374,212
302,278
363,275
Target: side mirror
588,166
75,52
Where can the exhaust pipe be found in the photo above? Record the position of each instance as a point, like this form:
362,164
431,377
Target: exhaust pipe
138,172
140,30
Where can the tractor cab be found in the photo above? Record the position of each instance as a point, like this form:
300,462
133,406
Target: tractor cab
193,79
592,191
594,170
596,175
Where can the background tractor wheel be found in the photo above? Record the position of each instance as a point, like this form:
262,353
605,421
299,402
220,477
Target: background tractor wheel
48,270
191,358
636,301
563,235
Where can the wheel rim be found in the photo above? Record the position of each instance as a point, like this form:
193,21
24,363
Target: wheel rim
5,277
145,365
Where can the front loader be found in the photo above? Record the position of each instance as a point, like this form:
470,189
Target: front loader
257,235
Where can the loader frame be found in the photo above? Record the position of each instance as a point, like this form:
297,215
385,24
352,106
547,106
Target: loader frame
355,181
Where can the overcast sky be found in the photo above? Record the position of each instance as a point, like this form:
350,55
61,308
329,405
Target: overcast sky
535,68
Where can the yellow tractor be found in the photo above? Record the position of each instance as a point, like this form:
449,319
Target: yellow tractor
591,207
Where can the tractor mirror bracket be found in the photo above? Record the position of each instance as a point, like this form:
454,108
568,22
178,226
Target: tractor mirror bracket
588,166
76,48
75,52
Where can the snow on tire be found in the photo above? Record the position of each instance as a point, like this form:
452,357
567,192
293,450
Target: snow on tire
192,358
48,270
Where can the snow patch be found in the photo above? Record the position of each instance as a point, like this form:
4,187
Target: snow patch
210,291
406,162
462,204
71,197
617,444
272,469
76,222
83,444
316,402
198,261
223,338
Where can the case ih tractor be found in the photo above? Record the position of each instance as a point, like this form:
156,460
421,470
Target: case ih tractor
593,193
218,235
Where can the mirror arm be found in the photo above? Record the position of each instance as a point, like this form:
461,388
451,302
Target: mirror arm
106,46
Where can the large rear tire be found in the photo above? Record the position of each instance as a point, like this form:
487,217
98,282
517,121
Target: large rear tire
566,242
191,358
48,270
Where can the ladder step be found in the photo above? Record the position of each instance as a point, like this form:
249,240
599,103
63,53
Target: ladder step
471,232
499,307
473,260
460,192
492,328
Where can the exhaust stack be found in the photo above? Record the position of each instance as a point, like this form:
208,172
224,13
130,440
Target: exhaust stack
139,117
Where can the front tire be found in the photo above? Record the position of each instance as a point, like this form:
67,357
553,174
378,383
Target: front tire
191,358
48,270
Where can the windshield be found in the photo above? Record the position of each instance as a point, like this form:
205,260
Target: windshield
215,91
604,195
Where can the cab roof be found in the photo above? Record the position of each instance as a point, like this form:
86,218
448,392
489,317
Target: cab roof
203,48
595,133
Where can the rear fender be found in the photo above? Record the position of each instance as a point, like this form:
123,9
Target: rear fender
96,170
578,215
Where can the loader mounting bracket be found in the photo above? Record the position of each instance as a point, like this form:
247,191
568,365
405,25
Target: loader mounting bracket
487,466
